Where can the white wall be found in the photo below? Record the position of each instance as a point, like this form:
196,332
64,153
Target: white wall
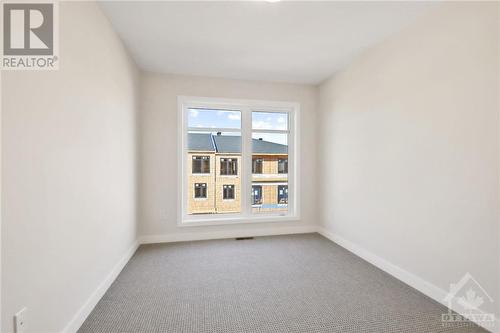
159,133
409,152
68,192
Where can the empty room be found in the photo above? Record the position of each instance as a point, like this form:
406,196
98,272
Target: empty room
250,166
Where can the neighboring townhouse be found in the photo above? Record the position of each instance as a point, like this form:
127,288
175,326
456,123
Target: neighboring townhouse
201,171
269,176
214,174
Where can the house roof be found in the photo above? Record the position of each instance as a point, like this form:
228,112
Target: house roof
227,144
266,147
231,144
200,142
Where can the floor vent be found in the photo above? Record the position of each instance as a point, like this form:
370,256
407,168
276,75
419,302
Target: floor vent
243,238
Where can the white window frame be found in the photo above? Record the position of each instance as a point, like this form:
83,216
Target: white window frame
246,107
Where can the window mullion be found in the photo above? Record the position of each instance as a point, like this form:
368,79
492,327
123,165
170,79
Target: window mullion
213,129
270,131
246,157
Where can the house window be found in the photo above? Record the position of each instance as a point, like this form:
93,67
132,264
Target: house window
256,195
201,164
282,165
228,166
282,194
228,192
200,190
257,165
237,137
272,135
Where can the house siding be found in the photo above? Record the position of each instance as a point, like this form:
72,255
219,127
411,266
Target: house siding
270,179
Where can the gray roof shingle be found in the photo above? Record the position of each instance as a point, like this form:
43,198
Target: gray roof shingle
231,144
266,147
227,144
200,142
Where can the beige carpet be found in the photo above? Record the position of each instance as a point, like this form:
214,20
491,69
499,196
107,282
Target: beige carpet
297,283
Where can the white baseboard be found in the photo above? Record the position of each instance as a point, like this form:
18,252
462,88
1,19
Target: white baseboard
94,298
410,279
194,236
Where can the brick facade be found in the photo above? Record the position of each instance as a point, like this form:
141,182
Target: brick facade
214,202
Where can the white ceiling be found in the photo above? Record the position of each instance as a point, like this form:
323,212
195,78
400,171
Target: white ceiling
299,42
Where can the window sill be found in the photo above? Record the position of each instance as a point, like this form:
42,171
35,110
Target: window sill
237,220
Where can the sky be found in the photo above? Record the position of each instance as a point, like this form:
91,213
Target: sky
202,118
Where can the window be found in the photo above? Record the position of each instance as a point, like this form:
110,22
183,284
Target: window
282,194
201,164
271,135
283,165
228,166
240,157
200,190
212,136
256,195
257,165
228,192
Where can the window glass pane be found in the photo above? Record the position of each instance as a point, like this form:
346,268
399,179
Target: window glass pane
227,192
283,165
269,157
206,118
256,195
200,190
257,165
270,120
201,164
228,166
214,160
282,194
